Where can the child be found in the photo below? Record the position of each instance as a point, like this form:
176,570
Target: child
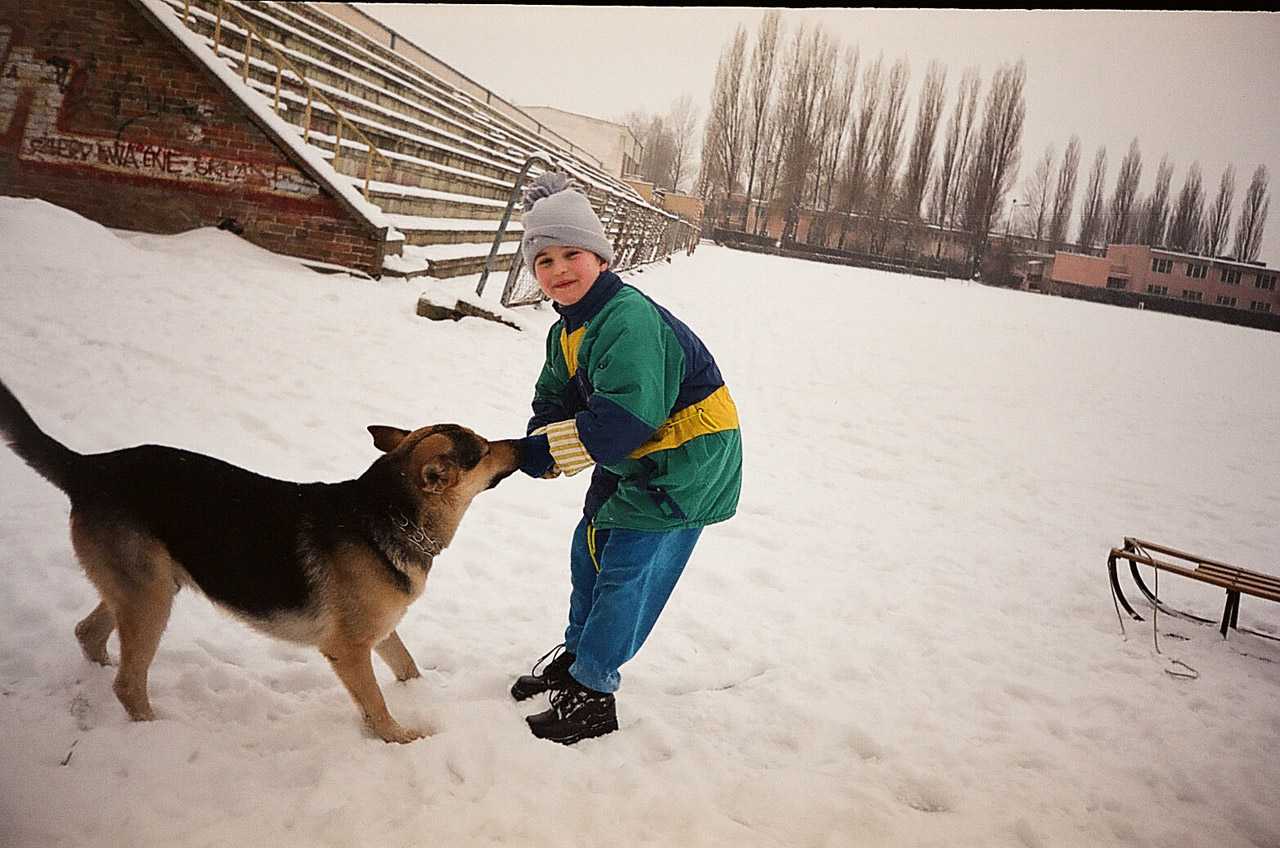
630,389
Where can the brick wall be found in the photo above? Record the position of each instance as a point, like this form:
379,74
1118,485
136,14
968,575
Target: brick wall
1177,306
103,113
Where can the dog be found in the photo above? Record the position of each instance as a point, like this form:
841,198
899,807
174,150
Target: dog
334,565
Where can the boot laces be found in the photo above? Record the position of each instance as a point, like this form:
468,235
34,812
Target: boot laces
546,659
567,701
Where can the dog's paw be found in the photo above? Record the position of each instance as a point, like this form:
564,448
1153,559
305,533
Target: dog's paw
406,673
396,733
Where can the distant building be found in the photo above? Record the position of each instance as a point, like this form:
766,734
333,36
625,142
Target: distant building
613,144
687,206
1156,272
647,190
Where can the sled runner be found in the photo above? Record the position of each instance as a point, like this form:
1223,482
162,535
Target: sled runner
1236,581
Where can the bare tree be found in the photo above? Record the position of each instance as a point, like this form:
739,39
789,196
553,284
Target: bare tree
1186,227
764,59
656,143
886,147
1091,216
857,161
1253,216
839,113
834,108
667,142
1155,215
920,159
1218,222
722,145
768,179
1120,212
995,165
1037,192
1064,194
682,124
956,150
807,53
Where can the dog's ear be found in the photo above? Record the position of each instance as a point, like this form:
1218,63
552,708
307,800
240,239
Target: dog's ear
387,439
438,476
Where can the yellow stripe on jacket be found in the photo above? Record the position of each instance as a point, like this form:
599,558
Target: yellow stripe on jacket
569,343
714,413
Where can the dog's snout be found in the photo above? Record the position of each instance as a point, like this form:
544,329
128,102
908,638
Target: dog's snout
516,446
507,454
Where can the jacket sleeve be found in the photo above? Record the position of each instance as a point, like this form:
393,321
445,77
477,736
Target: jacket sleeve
548,391
636,368
547,407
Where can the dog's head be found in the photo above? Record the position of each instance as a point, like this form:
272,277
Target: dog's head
447,460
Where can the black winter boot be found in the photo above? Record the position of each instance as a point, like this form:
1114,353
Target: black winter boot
554,676
576,713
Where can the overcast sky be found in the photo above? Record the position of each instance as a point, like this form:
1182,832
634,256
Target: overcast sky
1198,86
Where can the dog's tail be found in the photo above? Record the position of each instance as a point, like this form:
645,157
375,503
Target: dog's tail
50,458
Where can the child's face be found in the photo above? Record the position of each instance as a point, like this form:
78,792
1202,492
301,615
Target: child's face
565,274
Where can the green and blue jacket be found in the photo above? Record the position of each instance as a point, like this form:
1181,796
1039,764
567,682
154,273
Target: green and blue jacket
649,406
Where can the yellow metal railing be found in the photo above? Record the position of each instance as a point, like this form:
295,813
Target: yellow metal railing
313,94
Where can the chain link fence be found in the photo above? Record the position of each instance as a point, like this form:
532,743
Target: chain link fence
640,234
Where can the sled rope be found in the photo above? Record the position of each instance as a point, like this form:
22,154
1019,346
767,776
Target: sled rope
1190,673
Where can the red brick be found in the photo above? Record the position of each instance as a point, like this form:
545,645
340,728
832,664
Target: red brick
123,65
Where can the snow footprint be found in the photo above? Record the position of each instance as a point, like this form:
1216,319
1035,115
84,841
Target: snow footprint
927,794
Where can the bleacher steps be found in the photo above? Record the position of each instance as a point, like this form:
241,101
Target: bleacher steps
453,158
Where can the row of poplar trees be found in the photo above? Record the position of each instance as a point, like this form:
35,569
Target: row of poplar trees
1186,222
801,122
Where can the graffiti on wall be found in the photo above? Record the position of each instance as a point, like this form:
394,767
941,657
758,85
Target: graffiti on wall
41,85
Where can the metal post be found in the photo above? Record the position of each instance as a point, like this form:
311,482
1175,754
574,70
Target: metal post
1231,614
513,274
506,218
337,142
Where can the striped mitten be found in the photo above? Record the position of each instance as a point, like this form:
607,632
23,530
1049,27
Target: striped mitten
566,448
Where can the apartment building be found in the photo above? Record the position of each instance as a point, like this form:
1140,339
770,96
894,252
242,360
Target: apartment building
1155,272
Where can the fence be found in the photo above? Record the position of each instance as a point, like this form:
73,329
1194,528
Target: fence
640,234
922,266
291,82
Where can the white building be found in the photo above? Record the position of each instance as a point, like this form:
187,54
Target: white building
613,144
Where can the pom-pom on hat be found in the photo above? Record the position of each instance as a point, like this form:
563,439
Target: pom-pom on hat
558,213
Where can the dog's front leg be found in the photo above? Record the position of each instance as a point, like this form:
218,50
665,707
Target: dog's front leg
396,655
354,667
93,633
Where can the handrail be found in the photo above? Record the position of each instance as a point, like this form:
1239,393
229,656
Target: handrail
516,186
313,93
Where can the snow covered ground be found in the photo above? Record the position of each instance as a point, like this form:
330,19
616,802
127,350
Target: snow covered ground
905,638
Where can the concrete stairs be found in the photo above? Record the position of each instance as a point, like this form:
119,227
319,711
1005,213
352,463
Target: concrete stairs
453,156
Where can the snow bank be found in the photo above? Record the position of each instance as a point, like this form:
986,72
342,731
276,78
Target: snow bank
905,638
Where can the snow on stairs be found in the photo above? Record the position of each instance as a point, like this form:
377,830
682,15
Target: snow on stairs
454,158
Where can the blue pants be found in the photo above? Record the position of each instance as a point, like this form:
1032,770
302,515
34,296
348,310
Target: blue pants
621,581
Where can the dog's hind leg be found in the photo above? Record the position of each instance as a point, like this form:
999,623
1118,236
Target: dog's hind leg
141,620
93,633
354,666
135,577
396,655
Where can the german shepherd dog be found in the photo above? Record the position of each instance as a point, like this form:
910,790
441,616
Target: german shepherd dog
333,565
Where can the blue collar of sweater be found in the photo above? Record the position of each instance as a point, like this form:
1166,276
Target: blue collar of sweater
605,287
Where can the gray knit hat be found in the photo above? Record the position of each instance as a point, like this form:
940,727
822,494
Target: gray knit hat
558,213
